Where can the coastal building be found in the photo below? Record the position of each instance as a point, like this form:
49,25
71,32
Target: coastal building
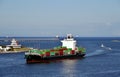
14,44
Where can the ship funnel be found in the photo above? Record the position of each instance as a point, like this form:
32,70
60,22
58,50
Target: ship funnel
69,36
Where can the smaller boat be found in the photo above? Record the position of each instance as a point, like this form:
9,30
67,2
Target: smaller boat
107,48
102,45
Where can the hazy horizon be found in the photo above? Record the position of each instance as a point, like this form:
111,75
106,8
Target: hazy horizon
36,18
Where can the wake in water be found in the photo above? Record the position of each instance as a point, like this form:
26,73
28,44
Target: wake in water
116,49
103,50
95,53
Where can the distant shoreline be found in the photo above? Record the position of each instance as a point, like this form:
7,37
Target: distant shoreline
16,50
3,52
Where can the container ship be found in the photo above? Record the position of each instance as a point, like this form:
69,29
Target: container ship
68,50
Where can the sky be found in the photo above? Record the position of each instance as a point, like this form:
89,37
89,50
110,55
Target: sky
84,18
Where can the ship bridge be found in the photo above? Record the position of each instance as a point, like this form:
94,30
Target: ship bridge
69,42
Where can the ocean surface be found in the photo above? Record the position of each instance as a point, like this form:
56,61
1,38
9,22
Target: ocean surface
98,62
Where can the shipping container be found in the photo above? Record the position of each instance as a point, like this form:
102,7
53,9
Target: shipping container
66,52
47,50
52,53
72,52
57,53
47,53
69,48
61,53
40,52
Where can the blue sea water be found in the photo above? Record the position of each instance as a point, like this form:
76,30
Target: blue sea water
98,62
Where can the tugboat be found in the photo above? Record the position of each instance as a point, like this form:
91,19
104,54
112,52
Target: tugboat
68,50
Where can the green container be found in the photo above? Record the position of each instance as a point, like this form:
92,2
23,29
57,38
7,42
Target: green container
47,50
40,52
66,51
79,48
36,51
33,51
43,52
52,53
83,50
69,48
